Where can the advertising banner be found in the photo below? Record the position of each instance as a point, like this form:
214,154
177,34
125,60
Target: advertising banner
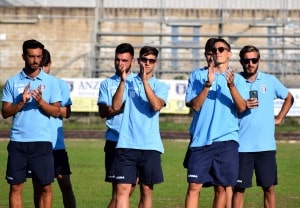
85,91
84,96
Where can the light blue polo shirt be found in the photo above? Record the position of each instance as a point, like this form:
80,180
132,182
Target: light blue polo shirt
31,124
194,120
57,123
257,126
217,119
108,88
140,124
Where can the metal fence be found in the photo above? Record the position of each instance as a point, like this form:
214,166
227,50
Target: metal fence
179,29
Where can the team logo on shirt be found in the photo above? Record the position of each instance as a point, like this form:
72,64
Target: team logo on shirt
42,87
263,88
132,93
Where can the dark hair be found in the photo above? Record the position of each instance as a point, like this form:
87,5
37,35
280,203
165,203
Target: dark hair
209,44
147,50
223,41
249,48
125,48
46,60
31,44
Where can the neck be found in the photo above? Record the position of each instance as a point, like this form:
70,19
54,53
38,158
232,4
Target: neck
222,67
148,76
31,72
250,77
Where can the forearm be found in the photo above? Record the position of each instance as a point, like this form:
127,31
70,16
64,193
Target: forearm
118,97
10,109
240,103
108,111
65,111
287,104
198,101
50,109
156,103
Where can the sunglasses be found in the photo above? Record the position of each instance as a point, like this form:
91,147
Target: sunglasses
220,49
145,60
247,61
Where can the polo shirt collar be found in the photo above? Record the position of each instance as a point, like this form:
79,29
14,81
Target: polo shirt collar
40,76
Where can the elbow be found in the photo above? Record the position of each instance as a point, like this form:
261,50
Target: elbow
117,107
56,113
292,99
4,114
156,108
243,109
102,115
196,109
68,112
68,115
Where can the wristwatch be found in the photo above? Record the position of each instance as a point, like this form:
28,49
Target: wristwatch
207,84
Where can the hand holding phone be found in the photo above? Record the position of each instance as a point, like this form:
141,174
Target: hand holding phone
252,102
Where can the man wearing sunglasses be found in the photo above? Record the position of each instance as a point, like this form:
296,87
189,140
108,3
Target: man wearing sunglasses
257,148
139,147
216,102
209,59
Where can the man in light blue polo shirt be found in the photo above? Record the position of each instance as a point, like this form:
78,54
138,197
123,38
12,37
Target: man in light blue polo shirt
62,170
139,147
124,60
31,97
257,128
214,97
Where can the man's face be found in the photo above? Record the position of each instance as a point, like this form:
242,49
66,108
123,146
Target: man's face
209,57
221,53
33,58
123,61
47,68
250,63
148,63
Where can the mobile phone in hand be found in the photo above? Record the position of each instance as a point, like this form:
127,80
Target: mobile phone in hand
253,94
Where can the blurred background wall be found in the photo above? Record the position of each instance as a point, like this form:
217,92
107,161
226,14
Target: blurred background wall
82,35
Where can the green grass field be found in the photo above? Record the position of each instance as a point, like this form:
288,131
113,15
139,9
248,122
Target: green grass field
87,164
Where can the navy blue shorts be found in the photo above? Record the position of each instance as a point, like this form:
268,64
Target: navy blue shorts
61,162
215,164
264,165
133,163
34,156
110,152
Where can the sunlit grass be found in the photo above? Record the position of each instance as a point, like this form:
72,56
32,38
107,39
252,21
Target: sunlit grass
87,165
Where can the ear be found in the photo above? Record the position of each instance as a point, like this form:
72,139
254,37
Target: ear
229,54
23,57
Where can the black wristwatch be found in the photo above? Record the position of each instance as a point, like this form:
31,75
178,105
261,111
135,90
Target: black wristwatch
207,84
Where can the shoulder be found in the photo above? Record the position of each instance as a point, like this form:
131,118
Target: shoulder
198,72
17,76
239,76
266,76
110,79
